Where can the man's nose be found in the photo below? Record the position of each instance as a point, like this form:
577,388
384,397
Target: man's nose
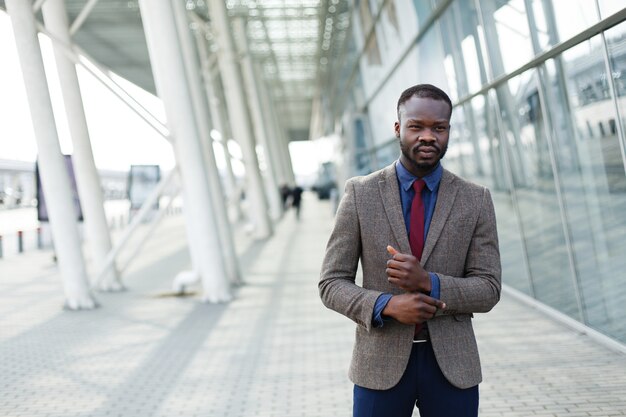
427,136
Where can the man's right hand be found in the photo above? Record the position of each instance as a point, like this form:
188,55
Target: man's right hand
412,308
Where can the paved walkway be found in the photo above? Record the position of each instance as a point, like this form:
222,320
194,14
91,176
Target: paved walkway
274,351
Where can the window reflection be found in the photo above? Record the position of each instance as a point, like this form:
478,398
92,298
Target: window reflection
616,43
528,156
506,34
609,7
463,63
475,151
423,9
569,17
593,183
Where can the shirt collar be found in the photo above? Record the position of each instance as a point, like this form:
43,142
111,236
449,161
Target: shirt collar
407,179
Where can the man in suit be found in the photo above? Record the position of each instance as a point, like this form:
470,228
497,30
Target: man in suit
428,247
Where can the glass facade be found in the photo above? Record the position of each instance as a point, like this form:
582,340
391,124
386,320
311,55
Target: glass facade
547,135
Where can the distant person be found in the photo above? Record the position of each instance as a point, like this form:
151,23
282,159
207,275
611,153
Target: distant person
285,191
296,199
428,248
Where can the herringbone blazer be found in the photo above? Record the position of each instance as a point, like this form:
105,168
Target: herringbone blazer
461,248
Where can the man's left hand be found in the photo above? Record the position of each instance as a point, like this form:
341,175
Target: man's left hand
405,271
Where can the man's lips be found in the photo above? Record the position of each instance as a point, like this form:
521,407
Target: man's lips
426,150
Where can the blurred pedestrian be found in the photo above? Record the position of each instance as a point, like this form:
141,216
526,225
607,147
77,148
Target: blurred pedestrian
296,199
285,191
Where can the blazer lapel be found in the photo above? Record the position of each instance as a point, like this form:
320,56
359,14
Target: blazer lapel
390,194
445,200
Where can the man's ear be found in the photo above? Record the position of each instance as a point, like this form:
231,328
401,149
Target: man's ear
396,129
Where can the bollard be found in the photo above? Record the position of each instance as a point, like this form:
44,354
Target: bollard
20,241
39,239
1,254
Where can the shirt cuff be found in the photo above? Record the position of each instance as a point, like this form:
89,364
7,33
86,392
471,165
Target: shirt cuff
434,285
381,303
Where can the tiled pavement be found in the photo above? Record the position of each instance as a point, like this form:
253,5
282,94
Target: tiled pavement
273,351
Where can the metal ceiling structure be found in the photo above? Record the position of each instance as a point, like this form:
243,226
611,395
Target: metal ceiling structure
295,42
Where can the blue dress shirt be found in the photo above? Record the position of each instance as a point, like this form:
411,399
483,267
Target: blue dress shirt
429,197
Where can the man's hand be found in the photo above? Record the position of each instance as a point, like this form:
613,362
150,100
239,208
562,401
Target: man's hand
412,308
405,271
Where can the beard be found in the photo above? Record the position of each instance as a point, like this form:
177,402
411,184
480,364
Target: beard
410,153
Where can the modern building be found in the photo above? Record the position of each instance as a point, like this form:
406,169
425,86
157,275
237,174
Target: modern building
539,117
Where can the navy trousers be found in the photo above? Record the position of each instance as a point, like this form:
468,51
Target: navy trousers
422,385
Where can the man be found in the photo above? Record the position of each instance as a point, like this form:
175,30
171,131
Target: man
430,260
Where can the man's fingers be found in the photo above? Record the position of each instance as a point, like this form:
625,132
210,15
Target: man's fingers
396,265
392,251
433,301
399,256
396,273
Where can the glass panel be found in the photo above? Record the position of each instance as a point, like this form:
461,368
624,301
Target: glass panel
559,20
475,152
528,157
463,63
423,9
593,179
609,7
386,154
506,34
455,159
616,43
367,20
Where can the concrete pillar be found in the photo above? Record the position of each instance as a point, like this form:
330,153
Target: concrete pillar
171,81
282,140
201,107
260,126
54,176
236,101
277,140
87,178
215,96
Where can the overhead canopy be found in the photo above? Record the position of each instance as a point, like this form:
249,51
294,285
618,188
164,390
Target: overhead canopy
295,41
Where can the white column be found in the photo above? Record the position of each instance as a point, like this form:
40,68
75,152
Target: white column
277,141
282,141
215,96
227,134
170,79
201,107
236,101
260,126
87,178
54,176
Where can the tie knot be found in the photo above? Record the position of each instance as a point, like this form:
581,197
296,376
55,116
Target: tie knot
418,185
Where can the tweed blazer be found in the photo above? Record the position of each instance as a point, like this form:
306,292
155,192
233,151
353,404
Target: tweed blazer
461,248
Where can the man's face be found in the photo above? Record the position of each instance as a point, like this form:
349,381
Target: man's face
423,132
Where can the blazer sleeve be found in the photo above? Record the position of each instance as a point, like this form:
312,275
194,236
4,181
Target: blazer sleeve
337,286
478,290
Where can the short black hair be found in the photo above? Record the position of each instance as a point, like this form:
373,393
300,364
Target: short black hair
423,91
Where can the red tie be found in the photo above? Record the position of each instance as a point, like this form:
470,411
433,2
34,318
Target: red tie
416,232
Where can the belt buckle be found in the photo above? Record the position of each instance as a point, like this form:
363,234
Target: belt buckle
421,336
